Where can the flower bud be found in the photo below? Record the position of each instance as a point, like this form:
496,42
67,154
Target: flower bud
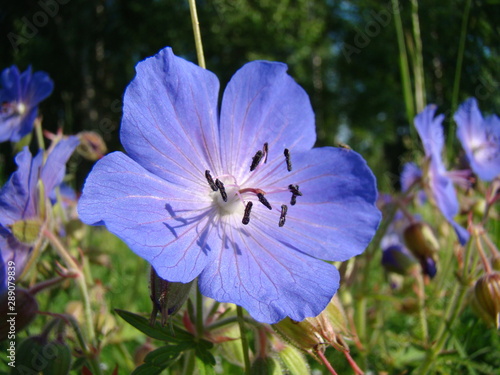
420,240
495,262
92,146
311,333
396,259
294,361
487,293
265,366
59,355
167,297
25,307
26,231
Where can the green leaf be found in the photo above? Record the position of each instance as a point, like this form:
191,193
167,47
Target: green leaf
204,368
147,369
168,334
202,352
165,355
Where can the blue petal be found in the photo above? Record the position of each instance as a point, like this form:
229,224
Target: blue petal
17,196
268,279
263,104
430,130
54,169
169,121
336,216
446,199
480,139
167,225
410,175
39,88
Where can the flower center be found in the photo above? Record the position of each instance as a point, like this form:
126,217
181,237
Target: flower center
229,198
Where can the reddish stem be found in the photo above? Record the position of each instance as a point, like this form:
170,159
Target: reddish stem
325,362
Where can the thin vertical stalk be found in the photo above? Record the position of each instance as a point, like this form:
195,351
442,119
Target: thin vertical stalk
244,341
458,71
197,34
418,64
403,64
460,56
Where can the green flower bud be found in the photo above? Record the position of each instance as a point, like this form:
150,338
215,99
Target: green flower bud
495,262
420,240
311,334
59,354
23,304
167,297
294,361
265,366
487,294
26,231
92,146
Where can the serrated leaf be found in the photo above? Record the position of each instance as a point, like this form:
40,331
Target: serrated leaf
202,352
172,335
165,355
147,369
204,368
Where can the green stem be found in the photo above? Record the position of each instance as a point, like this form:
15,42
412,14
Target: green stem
244,340
39,134
418,59
458,70
452,312
199,313
190,363
403,64
197,34
80,280
422,310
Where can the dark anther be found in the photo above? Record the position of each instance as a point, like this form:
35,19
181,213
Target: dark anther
265,149
288,161
210,180
284,209
295,190
220,185
256,160
246,215
264,201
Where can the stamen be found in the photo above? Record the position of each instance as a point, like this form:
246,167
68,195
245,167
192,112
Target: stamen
246,215
266,151
288,161
284,210
210,180
263,200
295,190
223,193
256,160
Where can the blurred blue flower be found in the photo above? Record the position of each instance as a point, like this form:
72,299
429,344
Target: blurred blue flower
20,94
480,139
20,196
410,176
238,199
440,183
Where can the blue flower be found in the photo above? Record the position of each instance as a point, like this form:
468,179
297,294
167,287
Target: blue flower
20,94
20,197
440,183
480,139
239,198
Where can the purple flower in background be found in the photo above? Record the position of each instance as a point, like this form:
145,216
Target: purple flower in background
480,139
20,94
410,175
20,197
239,198
440,183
